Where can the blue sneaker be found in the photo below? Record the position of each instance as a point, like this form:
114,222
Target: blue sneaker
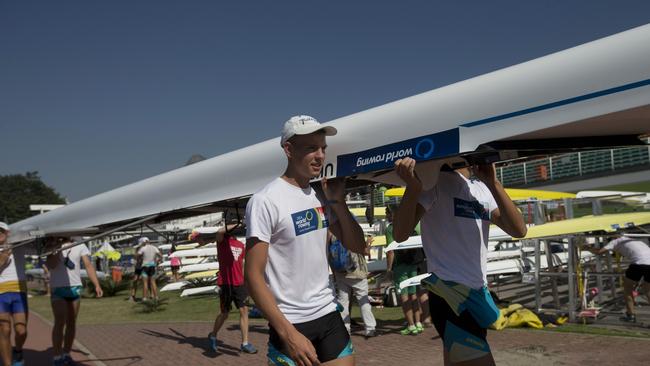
212,340
68,361
248,348
58,362
17,358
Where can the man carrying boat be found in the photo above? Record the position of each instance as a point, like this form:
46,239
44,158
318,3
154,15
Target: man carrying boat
13,300
286,258
455,216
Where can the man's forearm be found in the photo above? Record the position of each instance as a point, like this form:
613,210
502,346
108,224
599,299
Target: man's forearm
404,220
511,219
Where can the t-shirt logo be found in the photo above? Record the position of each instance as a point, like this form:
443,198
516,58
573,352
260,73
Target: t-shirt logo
236,252
309,220
470,209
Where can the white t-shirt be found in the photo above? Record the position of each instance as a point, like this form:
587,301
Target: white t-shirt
455,228
148,253
13,272
293,221
64,276
635,250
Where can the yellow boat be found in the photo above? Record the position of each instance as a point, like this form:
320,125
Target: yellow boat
607,223
203,274
515,194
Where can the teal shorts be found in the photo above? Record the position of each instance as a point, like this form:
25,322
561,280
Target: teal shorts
403,273
67,293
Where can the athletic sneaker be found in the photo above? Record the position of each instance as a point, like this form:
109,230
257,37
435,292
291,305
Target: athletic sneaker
630,318
212,340
370,333
419,328
248,348
17,358
58,362
68,361
411,330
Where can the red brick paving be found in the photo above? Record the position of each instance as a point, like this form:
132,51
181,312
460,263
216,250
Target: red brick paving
185,344
38,347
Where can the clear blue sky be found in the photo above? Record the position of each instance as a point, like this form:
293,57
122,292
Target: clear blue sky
98,94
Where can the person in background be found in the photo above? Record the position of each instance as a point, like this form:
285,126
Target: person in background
638,252
351,279
13,300
137,273
230,254
151,256
401,265
66,287
175,263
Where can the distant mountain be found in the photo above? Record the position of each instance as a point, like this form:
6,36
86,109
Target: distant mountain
195,159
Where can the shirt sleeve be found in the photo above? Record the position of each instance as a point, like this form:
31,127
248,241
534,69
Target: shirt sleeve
613,244
261,216
428,198
83,250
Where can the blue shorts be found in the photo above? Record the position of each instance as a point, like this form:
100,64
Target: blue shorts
148,271
67,293
461,316
13,302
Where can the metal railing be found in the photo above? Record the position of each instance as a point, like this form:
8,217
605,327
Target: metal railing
566,166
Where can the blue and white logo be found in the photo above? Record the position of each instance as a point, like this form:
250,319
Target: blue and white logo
425,148
420,148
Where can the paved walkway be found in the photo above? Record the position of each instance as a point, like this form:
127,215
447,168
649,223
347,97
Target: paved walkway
38,347
176,344
185,344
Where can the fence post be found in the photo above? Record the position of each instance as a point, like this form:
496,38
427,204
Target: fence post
579,163
525,177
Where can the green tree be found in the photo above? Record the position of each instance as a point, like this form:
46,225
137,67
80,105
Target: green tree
19,191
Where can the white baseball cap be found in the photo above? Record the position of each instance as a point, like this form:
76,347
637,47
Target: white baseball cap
4,226
303,125
143,240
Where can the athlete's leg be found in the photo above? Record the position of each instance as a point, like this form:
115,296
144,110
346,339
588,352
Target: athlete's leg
360,289
243,323
5,338
59,310
628,289
413,298
72,310
154,288
344,299
145,286
20,330
407,308
343,361
423,299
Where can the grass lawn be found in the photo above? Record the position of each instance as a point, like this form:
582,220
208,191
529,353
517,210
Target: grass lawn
116,309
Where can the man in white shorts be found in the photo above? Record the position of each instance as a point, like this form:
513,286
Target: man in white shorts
286,266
